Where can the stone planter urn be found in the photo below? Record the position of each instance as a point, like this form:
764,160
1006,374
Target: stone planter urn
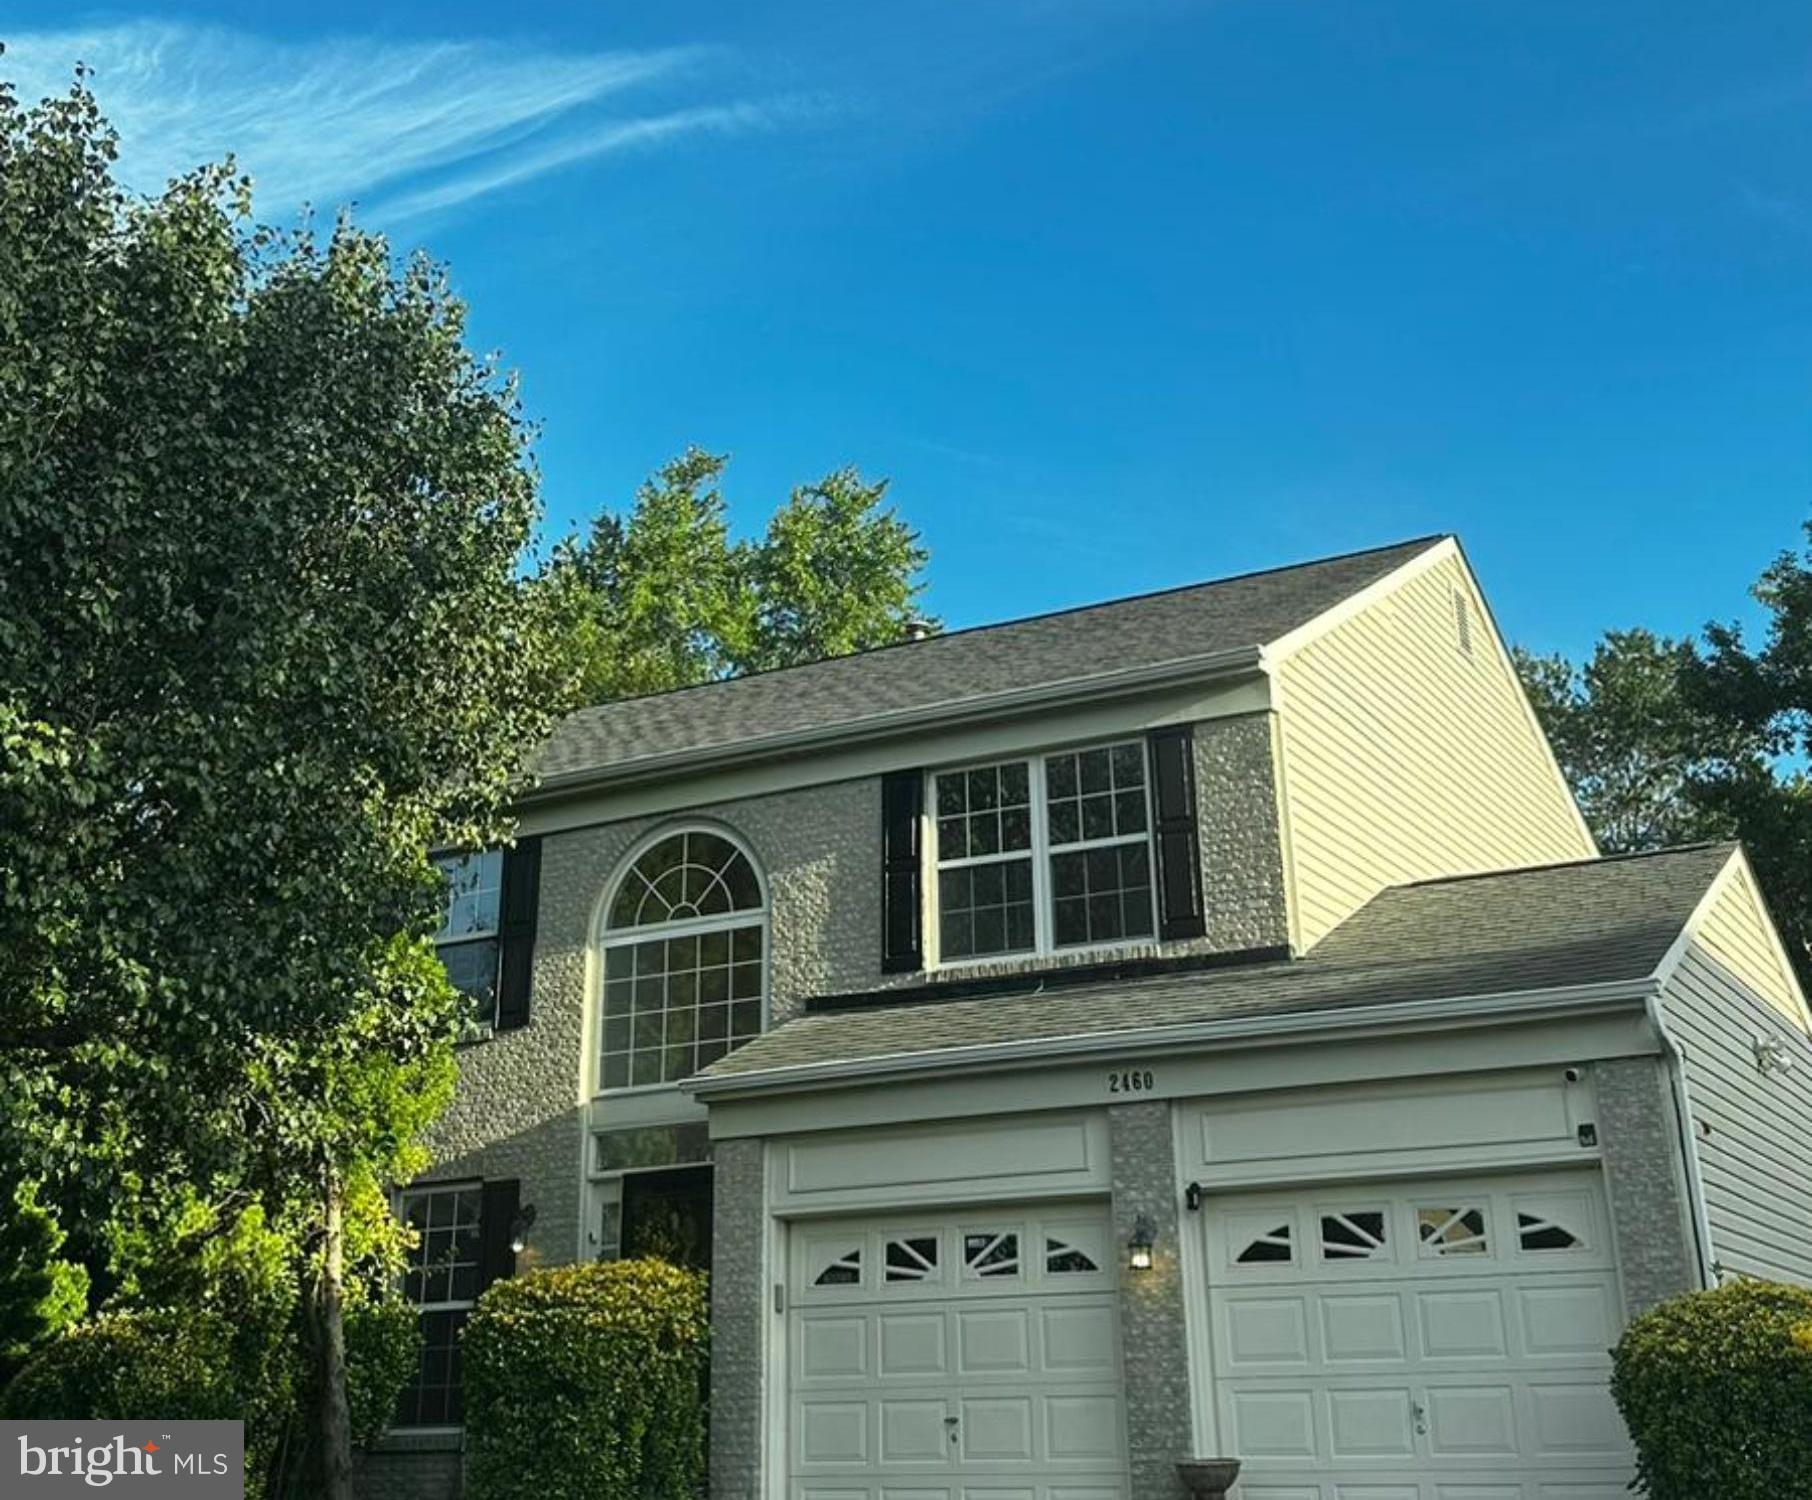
1207,1478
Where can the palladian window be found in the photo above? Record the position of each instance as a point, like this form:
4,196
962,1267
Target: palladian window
685,961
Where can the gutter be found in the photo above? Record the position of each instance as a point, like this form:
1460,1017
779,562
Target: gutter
1512,1006
1675,1055
890,722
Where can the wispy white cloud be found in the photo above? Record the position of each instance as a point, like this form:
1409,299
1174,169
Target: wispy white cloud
599,140
428,125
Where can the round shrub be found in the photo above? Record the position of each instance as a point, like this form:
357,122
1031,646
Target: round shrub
1716,1388
587,1383
131,1366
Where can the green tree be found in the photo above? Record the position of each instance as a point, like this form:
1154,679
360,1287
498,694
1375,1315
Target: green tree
665,598
265,638
1670,741
40,1293
1766,691
1633,745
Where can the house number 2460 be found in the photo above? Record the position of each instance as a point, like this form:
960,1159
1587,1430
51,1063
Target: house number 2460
1132,1081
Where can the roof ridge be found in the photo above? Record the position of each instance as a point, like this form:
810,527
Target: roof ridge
1424,541
1628,856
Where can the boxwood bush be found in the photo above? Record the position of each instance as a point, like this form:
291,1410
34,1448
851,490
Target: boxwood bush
1716,1388
131,1365
587,1383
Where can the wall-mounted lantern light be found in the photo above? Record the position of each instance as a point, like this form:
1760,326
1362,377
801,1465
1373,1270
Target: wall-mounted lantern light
1138,1248
519,1228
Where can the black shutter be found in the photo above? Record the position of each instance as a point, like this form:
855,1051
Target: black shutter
516,932
902,883
1171,754
498,1204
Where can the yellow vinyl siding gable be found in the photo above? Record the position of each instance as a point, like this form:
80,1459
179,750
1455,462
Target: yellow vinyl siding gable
1735,931
1408,748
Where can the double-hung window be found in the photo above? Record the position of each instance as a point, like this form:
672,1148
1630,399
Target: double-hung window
1044,853
442,1281
471,917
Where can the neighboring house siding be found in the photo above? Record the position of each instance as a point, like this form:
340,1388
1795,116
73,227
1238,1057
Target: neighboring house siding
1406,756
1756,1160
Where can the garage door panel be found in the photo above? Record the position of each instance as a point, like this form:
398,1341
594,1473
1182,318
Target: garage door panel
977,1359
1273,1423
913,1431
913,1344
834,1348
996,1428
1568,1319
1083,1429
994,1341
833,1432
1472,1421
1080,1340
1441,1340
1369,1423
1576,1419
1362,1328
1463,1325
1266,1331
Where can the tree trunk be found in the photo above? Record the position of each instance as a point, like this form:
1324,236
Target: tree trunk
332,1414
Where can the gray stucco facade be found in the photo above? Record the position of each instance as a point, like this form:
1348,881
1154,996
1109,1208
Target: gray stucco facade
521,1108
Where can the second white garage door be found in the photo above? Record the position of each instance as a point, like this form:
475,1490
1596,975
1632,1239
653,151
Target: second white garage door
1427,1340
969,1356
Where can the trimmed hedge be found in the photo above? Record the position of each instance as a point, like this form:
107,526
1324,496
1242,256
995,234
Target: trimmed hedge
587,1383
131,1366
1716,1389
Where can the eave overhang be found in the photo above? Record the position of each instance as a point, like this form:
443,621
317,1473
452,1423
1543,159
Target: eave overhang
1283,1029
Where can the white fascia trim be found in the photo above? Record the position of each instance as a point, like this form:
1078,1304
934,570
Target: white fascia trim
1207,664
1298,1026
1676,950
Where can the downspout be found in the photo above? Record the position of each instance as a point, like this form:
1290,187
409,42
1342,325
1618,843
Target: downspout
1689,1150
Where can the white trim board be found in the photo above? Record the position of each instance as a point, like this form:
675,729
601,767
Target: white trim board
1552,1040
1457,1010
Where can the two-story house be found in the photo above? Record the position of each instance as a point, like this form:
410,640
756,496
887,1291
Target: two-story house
1199,1024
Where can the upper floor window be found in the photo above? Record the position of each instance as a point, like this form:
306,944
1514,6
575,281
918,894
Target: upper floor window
1044,853
685,961
471,921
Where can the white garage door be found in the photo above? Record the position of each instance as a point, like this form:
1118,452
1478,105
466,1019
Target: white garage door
969,1356
1428,1340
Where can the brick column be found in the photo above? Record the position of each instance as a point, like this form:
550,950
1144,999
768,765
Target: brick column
738,1315
1640,1137
1154,1349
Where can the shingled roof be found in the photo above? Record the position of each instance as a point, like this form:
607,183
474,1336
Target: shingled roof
1547,927
965,667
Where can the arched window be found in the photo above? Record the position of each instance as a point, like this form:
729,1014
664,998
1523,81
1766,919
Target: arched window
685,950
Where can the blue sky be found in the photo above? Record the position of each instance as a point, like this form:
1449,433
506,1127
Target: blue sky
1121,293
